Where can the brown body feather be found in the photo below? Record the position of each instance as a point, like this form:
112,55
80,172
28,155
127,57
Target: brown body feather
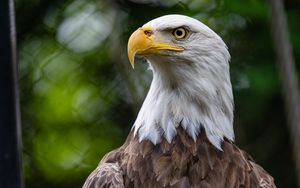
181,164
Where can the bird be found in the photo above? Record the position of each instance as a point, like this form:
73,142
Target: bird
183,135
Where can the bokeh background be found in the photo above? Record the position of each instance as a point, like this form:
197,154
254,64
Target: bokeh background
80,97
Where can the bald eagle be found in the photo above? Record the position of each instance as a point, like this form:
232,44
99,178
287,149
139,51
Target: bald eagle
183,135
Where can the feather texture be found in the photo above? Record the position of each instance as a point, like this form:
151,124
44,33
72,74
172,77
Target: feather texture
191,88
183,135
181,163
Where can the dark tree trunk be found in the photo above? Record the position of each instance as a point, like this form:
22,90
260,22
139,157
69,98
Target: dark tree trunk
289,82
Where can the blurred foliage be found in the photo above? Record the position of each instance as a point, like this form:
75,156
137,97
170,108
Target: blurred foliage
79,95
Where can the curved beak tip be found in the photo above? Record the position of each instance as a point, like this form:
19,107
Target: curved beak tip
131,60
131,56
138,43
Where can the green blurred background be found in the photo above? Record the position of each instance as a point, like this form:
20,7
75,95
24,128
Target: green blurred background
80,97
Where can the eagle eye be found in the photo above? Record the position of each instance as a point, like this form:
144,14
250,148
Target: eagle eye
180,33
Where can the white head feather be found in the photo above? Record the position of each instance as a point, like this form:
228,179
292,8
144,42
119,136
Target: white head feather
191,88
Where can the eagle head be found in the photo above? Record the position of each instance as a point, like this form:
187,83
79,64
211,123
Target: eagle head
191,82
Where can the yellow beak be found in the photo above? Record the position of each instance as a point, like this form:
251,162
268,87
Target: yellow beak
142,42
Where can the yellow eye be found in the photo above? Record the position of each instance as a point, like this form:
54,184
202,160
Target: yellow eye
180,33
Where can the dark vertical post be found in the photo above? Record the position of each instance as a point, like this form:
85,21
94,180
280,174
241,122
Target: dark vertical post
10,134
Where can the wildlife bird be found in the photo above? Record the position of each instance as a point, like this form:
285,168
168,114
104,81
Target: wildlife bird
183,135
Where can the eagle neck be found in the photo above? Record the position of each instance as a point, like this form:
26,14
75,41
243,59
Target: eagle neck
177,98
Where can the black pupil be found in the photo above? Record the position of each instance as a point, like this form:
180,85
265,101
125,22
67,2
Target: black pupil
179,33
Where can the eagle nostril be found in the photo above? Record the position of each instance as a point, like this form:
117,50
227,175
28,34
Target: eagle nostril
148,32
